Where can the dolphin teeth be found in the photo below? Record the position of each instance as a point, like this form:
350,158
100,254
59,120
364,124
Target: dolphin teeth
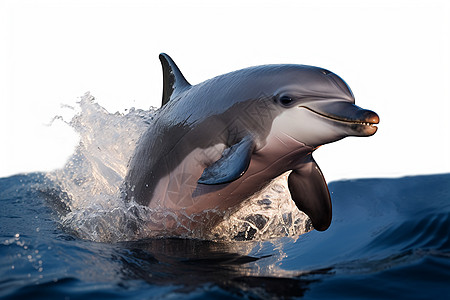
364,123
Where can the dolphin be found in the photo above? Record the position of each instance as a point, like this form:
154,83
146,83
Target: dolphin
215,144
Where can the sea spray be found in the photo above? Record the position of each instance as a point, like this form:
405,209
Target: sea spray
90,202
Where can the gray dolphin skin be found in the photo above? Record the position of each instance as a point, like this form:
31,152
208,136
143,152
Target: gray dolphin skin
215,144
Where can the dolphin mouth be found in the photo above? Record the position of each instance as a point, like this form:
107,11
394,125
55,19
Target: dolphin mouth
361,121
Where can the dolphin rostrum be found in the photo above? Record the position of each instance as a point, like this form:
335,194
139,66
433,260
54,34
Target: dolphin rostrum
215,144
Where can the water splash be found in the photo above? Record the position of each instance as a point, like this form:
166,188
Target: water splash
269,214
89,201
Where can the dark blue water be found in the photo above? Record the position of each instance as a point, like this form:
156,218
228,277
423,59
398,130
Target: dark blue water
389,239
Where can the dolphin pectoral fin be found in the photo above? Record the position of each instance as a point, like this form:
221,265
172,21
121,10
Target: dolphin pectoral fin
310,193
232,165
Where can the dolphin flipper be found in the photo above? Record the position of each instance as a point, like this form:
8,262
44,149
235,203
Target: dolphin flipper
310,193
232,165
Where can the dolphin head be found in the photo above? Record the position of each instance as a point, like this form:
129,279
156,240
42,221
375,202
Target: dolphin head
317,107
313,107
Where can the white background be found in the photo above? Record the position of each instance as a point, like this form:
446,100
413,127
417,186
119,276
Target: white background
395,55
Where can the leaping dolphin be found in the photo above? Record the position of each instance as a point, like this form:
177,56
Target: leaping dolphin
217,143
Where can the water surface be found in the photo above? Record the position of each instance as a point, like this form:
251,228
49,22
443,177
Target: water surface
389,239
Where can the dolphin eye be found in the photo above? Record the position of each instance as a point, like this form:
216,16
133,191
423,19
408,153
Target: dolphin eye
286,100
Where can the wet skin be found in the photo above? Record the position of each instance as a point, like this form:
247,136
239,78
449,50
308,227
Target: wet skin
217,143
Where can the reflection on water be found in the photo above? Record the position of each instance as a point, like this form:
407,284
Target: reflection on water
192,264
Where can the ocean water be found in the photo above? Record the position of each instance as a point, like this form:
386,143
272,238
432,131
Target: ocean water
67,235
389,239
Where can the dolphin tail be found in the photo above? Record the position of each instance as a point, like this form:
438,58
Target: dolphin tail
173,80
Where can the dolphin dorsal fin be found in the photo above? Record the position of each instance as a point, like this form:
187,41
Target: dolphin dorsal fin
173,80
